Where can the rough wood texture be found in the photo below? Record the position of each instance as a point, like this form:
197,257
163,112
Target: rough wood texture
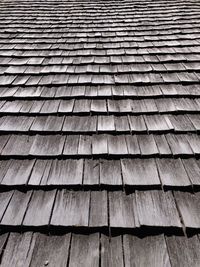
192,167
110,172
140,172
47,145
183,251
39,209
18,250
173,173
84,251
4,201
18,172
111,251
148,251
122,210
98,209
91,172
16,209
189,206
157,208
71,209
64,172
50,250
99,99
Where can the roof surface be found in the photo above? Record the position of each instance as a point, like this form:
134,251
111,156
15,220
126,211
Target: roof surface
99,124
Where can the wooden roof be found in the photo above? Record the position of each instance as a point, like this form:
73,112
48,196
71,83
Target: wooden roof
99,125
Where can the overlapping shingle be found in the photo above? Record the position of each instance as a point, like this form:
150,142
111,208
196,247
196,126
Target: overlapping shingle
99,125
39,249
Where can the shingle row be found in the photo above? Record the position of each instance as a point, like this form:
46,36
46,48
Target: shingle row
101,173
99,91
146,51
26,49
129,35
117,151
97,209
100,145
92,30
158,124
101,69
90,14
101,79
117,19
78,250
101,106
114,13
164,27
